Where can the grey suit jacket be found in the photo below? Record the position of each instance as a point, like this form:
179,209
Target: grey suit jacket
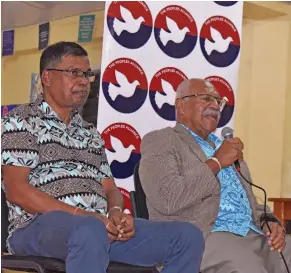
178,184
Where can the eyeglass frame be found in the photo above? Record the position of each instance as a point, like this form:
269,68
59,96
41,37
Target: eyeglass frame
84,74
220,101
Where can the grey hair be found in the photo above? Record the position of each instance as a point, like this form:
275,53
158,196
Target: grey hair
53,54
184,87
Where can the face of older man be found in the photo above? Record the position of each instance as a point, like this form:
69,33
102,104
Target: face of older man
199,107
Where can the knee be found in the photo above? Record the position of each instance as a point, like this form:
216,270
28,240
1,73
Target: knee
192,235
89,230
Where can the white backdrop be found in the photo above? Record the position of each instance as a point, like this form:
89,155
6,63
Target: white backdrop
148,49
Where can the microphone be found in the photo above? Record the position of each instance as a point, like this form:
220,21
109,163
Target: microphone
227,133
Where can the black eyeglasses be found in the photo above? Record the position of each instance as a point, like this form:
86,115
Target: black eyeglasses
206,98
76,73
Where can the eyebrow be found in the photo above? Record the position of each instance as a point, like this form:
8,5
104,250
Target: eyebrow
74,67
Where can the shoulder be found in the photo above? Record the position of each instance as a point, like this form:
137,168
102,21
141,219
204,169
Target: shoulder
18,118
167,132
160,137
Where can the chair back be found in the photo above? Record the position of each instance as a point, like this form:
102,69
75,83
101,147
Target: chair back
141,206
4,221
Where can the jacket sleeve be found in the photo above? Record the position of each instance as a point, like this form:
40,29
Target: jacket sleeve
169,189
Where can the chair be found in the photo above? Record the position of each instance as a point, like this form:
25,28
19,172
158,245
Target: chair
44,264
138,198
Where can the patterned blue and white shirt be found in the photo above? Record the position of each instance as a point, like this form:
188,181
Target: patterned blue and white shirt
67,162
235,214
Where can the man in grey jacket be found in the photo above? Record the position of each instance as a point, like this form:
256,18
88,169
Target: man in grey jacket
187,174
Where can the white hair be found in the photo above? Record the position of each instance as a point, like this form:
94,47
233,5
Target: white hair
184,87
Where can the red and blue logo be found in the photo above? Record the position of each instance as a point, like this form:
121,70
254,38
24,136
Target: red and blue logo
219,41
122,143
162,92
130,23
175,31
125,85
225,90
126,201
225,3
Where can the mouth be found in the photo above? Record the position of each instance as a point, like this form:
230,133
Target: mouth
80,93
212,117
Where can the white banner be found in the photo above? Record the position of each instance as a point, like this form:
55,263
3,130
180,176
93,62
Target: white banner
148,49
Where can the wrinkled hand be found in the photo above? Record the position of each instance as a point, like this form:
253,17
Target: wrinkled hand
229,151
277,237
112,230
124,224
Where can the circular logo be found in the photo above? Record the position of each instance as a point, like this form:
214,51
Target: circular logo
127,202
219,41
224,89
162,92
225,3
175,31
130,23
122,143
125,85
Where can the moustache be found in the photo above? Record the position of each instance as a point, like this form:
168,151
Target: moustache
212,112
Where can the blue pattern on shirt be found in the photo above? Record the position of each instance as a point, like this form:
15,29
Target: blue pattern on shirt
235,214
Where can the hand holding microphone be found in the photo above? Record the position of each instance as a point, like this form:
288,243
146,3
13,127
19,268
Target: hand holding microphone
230,151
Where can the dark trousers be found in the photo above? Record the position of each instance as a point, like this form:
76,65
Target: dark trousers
83,243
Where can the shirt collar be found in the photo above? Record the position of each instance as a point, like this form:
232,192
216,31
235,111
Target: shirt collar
44,107
211,137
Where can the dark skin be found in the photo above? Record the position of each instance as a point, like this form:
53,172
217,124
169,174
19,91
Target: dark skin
191,113
65,93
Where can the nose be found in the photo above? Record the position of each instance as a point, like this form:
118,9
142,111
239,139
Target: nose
214,104
83,81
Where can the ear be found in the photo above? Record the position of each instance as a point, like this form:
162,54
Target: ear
180,106
46,78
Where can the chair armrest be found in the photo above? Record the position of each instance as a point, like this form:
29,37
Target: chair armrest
135,213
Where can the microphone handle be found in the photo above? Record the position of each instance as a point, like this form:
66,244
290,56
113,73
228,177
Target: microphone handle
236,163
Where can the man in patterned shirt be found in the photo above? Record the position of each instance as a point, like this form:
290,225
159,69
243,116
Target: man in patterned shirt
59,186
193,179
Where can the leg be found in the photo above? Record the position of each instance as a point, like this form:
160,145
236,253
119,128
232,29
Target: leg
176,245
78,240
228,253
287,256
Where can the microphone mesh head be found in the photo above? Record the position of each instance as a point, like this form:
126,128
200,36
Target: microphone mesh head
227,132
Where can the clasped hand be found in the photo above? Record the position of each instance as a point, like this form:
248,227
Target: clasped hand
120,226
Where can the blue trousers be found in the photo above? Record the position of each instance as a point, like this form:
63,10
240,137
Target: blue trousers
82,242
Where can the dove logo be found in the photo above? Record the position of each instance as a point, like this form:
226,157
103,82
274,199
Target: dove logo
225,3
124,85
126,199
163,91
225,90
122,143
130,23
175,31
219,41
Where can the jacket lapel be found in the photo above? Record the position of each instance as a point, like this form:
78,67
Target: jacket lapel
190,141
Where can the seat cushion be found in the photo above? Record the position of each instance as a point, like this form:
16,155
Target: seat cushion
56,265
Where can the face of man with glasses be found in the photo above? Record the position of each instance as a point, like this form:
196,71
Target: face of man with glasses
69,81
199,107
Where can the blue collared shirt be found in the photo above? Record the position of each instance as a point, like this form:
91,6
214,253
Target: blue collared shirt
235,214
